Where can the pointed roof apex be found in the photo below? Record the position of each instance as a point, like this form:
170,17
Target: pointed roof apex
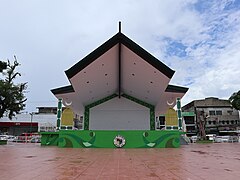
119,27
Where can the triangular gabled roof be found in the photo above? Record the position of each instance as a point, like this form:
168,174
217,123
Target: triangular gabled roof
116,39
119,66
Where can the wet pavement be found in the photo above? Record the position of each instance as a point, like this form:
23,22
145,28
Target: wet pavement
190,162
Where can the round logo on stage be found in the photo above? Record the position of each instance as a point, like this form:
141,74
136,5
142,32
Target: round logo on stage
119,141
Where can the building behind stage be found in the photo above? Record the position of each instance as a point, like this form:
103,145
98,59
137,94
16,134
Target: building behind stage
218,115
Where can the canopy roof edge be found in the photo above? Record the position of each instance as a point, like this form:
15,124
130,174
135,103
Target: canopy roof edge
63,90
176,89
119,38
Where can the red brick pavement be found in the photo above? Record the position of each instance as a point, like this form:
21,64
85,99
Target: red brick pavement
190,162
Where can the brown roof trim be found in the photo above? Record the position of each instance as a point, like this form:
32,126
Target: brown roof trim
176,89
63,90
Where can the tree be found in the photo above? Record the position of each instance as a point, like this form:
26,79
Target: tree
235,100
12,97
3,65
201,123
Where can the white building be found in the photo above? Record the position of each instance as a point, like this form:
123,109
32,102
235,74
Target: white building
43,120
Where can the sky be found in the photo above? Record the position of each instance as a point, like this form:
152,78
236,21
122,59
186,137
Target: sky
198,39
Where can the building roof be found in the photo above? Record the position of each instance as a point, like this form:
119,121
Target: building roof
10,124
124,40
207,102
119,66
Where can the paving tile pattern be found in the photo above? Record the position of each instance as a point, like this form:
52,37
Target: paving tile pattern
190,162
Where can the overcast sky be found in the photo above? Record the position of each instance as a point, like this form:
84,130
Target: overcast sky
199,39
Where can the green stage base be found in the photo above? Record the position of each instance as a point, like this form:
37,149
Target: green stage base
105,139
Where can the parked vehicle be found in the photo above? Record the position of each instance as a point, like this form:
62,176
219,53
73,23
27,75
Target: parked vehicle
35,140
3,137
211,137
9,138
226,139
28,137
194,139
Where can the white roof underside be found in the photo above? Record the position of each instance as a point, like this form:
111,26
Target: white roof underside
101,79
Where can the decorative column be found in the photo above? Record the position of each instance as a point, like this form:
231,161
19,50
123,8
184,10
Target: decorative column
59,113
86,118
179,113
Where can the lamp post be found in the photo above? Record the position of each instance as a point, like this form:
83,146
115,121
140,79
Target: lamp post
31,114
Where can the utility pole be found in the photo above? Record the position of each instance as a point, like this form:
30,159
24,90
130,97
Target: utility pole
31,114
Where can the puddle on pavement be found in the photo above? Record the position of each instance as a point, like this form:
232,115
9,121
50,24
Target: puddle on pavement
200,152
29,156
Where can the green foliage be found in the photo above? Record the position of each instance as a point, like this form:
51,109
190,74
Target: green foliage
3,65
12,97
235,100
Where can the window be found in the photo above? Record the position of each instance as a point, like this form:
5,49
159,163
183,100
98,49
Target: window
162,120
190,128
218,112
230,112
189,120
212,113
209,122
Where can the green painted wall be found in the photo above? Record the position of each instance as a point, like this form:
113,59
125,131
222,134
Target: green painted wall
49,138
104,139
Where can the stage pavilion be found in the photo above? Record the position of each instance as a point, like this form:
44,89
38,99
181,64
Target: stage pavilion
122,96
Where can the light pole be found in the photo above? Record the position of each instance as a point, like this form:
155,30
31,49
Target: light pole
31,114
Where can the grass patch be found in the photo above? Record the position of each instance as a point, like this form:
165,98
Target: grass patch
204,141
3,142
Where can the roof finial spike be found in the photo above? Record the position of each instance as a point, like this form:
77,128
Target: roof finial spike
119,26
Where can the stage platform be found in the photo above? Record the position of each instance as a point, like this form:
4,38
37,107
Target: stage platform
112,139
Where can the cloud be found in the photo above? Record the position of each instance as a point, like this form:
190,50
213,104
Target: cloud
214,60
199,39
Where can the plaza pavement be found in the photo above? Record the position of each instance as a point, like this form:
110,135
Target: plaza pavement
189,162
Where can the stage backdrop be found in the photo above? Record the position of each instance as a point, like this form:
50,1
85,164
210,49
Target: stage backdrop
119,114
